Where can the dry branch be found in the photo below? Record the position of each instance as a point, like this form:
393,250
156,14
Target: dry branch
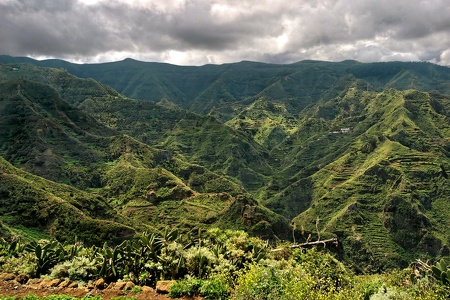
324,242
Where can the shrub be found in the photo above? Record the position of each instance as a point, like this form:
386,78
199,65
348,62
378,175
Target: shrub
272,282
22,264
329,274
183,288
199,261
209,288
214,289
77,269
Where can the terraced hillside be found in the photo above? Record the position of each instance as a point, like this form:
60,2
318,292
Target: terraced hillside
387,194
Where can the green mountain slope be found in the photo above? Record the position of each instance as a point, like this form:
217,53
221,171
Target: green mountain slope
386,196
226,89
371,167
46,136
150,188
202,140
34,207
341,149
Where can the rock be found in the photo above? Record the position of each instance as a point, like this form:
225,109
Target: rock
45,283
147,289
111,286
119,286
22,278
13,284
100,284
73,285
65,284
7,276
128,286
90,286
48,283
34,281
163,286
55,282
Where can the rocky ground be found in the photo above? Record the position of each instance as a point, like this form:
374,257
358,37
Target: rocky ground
21,285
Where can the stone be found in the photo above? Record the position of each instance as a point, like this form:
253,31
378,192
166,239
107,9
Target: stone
34,281
55,282
73,285
64,284
111,286
90,286
119,286
22,278
163,286
147,289
128,286
7,276
13,284
100,284
45,283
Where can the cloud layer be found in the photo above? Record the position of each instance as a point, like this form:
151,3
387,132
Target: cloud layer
200,31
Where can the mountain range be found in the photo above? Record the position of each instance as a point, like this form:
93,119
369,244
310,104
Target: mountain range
307,151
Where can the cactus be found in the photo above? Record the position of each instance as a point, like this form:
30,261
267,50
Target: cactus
11,249
109,262
47,255
441,272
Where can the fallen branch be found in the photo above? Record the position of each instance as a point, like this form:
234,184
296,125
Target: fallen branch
324,242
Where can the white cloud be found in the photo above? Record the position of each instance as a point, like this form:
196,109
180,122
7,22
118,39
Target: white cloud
202,31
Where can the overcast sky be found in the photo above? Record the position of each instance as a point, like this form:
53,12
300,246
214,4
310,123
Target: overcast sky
197,32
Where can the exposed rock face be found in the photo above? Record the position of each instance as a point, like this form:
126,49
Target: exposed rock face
250,215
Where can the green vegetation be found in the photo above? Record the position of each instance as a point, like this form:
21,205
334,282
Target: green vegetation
219,264
307,151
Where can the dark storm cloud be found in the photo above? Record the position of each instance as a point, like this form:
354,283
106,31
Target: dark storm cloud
201,31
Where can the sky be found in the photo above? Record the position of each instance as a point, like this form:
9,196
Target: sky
198,32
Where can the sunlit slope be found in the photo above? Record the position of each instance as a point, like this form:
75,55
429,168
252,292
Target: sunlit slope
386,196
